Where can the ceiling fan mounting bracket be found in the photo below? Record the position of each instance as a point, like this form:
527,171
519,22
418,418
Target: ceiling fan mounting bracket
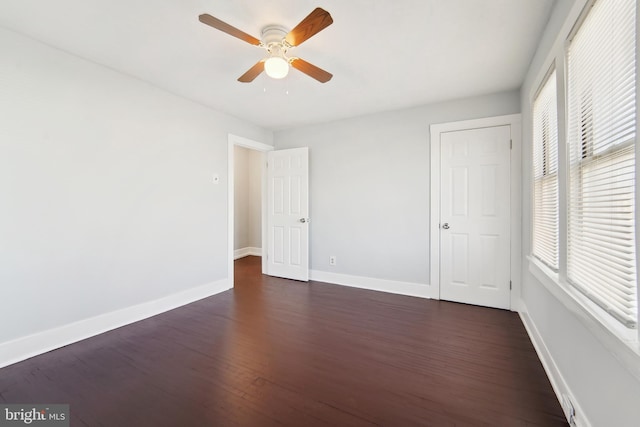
273,34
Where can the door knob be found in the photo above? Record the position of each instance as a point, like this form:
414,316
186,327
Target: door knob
445,225
303,220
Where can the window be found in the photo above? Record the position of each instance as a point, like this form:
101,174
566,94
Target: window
601,86
545,174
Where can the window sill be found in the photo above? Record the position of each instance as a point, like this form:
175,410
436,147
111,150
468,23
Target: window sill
621,342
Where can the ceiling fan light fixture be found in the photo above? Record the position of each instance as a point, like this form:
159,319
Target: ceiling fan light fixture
276,67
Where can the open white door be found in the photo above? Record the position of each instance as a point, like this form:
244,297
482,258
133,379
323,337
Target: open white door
288,213
475,216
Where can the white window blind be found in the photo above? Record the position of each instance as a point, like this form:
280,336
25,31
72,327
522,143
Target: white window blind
545,174
601,83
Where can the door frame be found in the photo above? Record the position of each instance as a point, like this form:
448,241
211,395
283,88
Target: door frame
233,141
515,122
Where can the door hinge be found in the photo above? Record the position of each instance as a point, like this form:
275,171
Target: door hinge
511,144
510,285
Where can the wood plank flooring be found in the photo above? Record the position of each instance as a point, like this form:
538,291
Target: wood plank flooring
275,352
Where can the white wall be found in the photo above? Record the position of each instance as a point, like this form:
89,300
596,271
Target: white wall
369,187
107,192
606,392
256,159
248,198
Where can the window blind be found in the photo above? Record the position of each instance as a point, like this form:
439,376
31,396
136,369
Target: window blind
601,81
545,174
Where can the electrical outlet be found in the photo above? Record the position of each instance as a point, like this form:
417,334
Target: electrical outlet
332,260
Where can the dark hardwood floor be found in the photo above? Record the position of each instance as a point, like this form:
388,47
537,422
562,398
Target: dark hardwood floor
278,352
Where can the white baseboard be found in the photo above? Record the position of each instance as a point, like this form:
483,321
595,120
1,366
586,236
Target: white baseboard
23,348
391,286
560,386
243,252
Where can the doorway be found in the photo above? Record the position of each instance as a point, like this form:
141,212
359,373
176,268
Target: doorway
258,150
475,211
284,209
247,236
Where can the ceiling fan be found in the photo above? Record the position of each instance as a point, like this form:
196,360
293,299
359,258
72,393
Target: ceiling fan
277,42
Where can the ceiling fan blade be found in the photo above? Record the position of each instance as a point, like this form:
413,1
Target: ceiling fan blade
311,70
252,72
226,28
315,22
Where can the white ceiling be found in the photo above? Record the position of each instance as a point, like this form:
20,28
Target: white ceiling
384,54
